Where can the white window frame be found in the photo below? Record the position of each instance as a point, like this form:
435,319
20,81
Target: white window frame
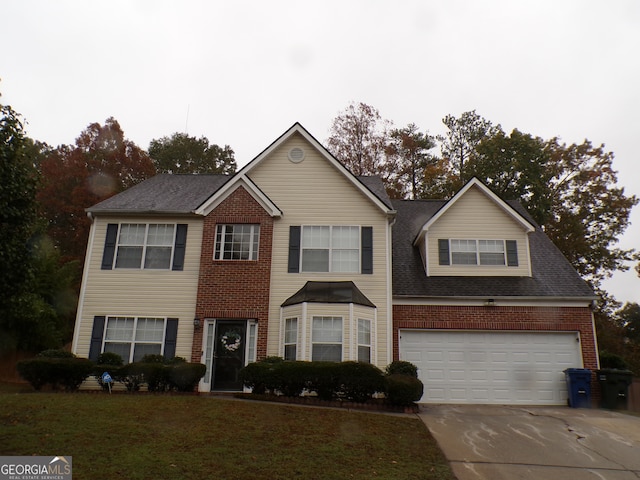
133,341
145,243
308,244
361,342
478,248
331,342
220,249
290,337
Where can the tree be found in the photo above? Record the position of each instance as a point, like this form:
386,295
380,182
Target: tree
589,211
32,310
181,153
411,148
17,223
359,138
629,316
101,164
459,144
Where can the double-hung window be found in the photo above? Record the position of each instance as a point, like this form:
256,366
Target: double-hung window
290,338
364,340
477,252
330,249
326,338
237,242
147,246
134,337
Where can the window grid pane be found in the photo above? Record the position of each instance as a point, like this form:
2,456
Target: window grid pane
147,340
237,242
330,249
150,246
364,340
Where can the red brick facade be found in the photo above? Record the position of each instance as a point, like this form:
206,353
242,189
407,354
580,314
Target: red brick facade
560,319
235,289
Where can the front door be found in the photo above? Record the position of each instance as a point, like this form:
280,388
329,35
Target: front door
228,354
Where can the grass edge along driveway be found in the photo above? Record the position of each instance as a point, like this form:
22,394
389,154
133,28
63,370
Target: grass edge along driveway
195,437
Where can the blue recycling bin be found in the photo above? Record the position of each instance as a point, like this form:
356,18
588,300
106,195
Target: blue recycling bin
579,387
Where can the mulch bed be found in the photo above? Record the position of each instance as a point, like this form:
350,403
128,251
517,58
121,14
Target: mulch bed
373,405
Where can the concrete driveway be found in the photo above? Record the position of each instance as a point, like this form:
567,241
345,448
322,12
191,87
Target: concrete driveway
505,442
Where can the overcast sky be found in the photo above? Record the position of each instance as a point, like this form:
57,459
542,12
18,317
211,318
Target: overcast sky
241,73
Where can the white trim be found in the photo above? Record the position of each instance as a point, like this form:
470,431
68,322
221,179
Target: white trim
498,301
304,339
474,182
133,342
239,180
389,319
83,285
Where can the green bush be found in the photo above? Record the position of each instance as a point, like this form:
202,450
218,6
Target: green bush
184,377
290,378
155,375
358,381
72,372
611,360
131,375
109,358
37,371
402,367
323,379
153,358
355,381
65,371
56,353
403,389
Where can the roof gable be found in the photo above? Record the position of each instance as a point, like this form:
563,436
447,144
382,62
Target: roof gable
365,185
228,188
474,183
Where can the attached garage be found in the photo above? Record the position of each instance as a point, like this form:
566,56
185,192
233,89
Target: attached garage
481,367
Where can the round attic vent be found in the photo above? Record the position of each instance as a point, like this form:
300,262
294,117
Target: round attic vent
296,154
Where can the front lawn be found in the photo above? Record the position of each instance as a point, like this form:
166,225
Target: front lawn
194,437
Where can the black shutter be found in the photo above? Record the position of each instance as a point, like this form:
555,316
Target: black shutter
170,338
294,249
512,253
180,247
109,246
366,241
443,251
95,348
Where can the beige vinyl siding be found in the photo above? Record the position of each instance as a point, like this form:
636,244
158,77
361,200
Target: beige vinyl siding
313,192
139,292
476,217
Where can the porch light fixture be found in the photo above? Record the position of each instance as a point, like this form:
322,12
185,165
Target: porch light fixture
490,303
196,322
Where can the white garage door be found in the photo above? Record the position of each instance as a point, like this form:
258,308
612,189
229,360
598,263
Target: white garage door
492,367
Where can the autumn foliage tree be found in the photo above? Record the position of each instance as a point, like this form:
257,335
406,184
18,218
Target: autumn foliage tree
359,138
100,164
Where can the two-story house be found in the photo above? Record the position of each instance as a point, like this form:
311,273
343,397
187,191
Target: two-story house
294,256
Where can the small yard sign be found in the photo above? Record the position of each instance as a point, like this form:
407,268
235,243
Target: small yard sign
106,378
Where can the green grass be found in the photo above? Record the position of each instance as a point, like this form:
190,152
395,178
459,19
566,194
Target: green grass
194,437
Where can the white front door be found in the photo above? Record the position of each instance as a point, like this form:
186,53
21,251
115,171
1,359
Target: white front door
523,368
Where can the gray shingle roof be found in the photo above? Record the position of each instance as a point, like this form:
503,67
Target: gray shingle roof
171,193
553,275
375,186
329,292
163,193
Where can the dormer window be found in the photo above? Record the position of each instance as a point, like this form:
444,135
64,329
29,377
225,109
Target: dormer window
478,252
